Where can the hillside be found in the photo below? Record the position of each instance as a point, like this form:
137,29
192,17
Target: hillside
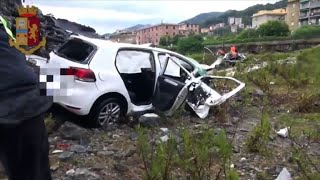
207,19
201,18
136,27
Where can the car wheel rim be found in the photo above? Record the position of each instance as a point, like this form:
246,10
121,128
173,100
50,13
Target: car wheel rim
109,114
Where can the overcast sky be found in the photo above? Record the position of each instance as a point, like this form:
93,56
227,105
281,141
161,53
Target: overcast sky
105,16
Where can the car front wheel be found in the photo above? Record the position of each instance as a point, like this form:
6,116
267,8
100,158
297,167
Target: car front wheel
108,112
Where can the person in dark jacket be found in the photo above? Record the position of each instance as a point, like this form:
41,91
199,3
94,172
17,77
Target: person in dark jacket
23,138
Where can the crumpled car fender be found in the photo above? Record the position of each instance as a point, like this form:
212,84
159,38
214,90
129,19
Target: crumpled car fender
211,97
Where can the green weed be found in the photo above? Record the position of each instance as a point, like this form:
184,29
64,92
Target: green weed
195,156
259,137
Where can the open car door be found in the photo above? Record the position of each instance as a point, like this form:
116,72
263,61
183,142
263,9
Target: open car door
172,87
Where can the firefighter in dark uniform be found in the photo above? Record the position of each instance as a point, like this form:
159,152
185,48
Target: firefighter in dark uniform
23,138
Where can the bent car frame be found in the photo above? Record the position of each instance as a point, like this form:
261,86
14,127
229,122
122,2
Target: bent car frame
107,80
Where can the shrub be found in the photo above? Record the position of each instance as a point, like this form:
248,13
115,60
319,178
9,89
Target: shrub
246,34
307,32
190,44
273,28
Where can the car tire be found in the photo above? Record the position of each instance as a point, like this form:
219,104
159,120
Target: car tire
113,110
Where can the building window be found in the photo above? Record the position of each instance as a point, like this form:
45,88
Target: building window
293,5
292,14
292,23
156,34
166,27
156,40
187,25
174,33
167,33
156,28
174,27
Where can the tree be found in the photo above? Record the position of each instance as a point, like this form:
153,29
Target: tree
248,33
308,31
223,31
190,44
165,41
175,39
273,28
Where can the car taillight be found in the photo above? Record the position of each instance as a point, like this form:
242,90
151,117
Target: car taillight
81,74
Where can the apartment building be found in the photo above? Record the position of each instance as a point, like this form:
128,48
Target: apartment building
189,28
216,26
293,14
309,12
153,34
234,21
268,15
205,30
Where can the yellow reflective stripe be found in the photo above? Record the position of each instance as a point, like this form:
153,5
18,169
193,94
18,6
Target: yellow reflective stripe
5,25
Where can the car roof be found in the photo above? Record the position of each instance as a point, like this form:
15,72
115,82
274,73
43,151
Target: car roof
101,43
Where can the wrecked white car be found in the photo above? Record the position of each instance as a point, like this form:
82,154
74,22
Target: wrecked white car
107,80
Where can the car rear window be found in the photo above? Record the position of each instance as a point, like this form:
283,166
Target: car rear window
76,50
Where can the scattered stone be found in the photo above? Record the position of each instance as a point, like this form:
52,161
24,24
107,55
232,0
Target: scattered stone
82,171
164,129
236,149
243,130
70,131
78,149
235,120
121,167
164,138
104,153
90,149
84,141
150,120
130,153
217,131
54,167
258,92
274,170
115,136
232,166
53,140
283,132
133,136
65,155
118,156
284,175
70,172
243,159
57,151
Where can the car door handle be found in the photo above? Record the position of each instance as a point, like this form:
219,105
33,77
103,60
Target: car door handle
171,82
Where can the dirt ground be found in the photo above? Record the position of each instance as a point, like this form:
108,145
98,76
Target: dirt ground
112,153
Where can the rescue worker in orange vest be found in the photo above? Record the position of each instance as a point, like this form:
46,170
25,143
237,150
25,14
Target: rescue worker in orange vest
234,52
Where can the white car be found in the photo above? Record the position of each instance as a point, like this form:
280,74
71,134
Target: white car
107,80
